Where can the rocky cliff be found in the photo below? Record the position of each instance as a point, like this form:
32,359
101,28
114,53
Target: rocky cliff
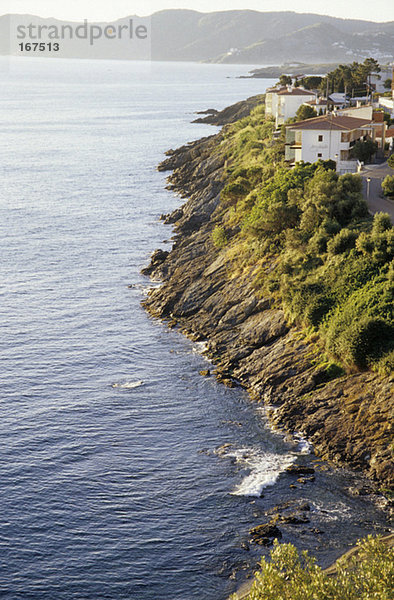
347,419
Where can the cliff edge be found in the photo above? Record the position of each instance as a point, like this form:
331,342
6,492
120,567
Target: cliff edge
249,339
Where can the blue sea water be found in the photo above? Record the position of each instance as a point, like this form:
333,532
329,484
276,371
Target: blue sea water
111,482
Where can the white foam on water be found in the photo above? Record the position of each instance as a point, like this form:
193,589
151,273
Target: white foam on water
200,347
264,468
332,511
128,385
303,447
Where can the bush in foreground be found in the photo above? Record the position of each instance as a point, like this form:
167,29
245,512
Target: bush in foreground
367,574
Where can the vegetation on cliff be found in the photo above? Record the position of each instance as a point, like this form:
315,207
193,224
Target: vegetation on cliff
316,250
259,246
290,575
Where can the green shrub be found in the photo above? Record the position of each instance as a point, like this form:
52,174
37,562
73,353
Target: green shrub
318,243
384,365
381,223
361,329
305,112
363,339
388,185
343,241
290,575
364,150
219,236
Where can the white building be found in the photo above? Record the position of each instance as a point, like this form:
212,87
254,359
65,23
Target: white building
320,104
377,122
327,137
289,101
390,138
359,112
271,100
387,104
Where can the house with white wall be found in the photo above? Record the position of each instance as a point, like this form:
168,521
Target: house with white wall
320,104
387,104
329,137
376,117
289,101
271,100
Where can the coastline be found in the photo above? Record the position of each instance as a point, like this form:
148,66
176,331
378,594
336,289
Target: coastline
249,341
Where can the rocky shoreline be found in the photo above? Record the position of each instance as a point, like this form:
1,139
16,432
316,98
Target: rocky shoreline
347,419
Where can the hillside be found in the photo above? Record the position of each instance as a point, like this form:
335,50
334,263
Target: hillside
287,279
236,36
320,40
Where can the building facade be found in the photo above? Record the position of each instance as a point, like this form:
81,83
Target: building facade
289,101
329,137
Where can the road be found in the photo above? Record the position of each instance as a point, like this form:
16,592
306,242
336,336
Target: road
374,196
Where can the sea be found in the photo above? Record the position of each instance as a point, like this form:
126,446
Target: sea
124,474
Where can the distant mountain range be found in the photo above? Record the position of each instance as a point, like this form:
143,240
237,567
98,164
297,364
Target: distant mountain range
235,36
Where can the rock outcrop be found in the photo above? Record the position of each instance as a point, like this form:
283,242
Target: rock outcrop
232,113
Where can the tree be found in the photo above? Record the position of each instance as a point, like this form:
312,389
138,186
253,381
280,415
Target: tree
363,151
371,65
312,82
285,80
387,84
388,185
353,77
390,161
305,112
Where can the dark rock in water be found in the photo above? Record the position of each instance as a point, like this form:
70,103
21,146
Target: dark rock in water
172,217
360,490
293,519
316,531
263,541
232,113
294,506
245,546
306,479
205,372
157,258
229,383
299,470
209,111
264,534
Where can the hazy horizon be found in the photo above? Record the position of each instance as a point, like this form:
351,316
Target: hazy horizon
77,10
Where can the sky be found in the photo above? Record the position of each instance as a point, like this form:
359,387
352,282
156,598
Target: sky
109,10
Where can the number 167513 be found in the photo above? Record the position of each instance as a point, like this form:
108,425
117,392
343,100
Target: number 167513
39,47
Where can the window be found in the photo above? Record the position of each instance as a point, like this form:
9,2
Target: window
319,155
320,138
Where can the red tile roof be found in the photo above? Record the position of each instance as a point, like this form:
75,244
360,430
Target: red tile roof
296,92
331,122
276,89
